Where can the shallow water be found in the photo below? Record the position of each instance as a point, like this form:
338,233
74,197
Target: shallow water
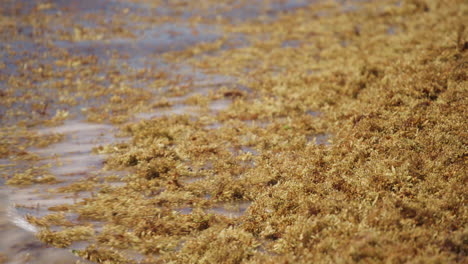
18,243
149,42
72,160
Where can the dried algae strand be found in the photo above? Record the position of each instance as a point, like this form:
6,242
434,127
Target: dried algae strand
65,237
31,176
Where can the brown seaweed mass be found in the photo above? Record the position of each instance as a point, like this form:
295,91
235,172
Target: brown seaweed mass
385,80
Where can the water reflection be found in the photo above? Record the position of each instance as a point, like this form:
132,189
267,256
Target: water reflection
18,243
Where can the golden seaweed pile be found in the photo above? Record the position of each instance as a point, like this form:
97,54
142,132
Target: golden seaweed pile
345,135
